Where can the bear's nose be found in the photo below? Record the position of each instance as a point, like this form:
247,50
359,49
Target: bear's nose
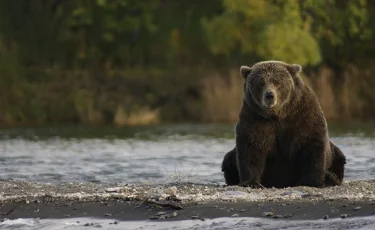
269,96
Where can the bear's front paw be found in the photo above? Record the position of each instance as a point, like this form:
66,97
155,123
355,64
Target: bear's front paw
251,184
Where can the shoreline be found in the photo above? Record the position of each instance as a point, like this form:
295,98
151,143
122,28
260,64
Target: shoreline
175,202
137,211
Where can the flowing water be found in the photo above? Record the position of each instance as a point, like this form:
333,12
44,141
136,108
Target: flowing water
158,154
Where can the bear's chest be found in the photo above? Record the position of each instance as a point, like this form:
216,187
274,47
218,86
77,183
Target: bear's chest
288,142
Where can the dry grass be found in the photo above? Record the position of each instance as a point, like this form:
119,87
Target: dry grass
346,98
85,106
322,86
141,116
222,97
353,89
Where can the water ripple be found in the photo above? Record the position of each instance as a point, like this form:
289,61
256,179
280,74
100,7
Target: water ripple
159,159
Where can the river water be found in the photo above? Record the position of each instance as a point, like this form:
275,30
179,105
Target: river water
158,154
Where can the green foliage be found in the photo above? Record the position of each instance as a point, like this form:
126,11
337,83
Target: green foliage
336,20
268,29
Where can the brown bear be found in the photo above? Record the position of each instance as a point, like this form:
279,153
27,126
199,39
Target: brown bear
281,134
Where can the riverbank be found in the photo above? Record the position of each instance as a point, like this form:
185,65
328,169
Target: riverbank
19,199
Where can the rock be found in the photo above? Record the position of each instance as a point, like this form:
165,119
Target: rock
171,190
294,193
114,189
326,217
267,214
108,214
343,216
173,198
235,215
277,216
160,213
116,222
288,215
357,208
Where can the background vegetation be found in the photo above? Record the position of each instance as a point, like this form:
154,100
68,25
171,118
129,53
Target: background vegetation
129,62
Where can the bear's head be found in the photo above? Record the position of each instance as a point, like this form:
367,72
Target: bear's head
269,85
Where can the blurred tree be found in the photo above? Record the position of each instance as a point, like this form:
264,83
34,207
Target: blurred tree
83,60
269,29
115,32
342,28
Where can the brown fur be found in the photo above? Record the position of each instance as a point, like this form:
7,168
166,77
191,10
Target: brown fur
281,134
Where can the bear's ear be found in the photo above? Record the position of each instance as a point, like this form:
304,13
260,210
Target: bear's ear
294,69
245,70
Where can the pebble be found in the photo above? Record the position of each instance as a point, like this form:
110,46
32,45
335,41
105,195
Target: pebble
92,224
235,215
326,217
108,214
161,213
171,190
115,189
267,214
288,215
343,216
357,208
